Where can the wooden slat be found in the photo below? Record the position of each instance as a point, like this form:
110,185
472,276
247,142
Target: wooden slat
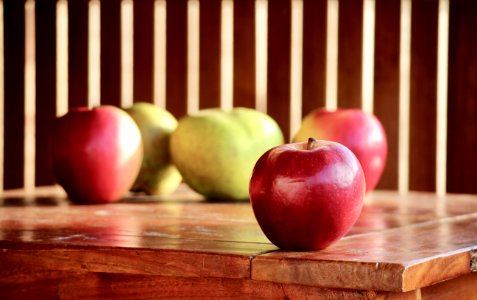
143,50
209,65
89,285
423,105
176,53
386,83
77,53
244,53
403,268
350,51
146,262
278,68
45,22
37,285
14,93
314,54
111,52
223,229
464,287
462,104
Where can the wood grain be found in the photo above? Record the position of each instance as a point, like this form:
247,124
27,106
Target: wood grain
125,261
464,287
45,284
386,83
401,243
77,285
391,260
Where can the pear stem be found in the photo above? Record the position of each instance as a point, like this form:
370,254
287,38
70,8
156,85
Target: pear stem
311,143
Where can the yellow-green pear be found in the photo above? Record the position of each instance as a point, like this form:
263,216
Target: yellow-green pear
215,150
158,176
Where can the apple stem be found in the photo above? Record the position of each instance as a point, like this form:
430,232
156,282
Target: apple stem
311,143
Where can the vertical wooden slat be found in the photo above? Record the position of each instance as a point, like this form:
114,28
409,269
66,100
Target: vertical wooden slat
462,105
386,83
111,52
314,54
176,57
244,53
45,24
423,105
350,44
77,53
278,85
209,74
143,50
14,93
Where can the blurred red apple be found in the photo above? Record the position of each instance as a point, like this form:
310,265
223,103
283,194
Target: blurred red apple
96,153
307,195
362,133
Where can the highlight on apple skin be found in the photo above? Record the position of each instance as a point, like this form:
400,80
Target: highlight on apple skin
361,132
307,195
96,153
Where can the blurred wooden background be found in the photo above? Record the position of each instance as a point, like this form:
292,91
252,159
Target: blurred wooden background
411,62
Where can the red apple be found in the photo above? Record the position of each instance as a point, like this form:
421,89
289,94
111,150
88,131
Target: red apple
362,133
307,195
96,153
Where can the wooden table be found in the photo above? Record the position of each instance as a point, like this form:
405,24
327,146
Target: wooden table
413,246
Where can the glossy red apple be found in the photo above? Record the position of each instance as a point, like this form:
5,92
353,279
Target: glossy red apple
362,133
307,195
96,153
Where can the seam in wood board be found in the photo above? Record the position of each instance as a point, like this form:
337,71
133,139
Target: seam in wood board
473,260
418,294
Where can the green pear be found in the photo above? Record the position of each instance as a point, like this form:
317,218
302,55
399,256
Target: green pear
215,150
158,176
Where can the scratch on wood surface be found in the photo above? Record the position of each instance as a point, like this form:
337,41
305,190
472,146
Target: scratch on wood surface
473,260
285,296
